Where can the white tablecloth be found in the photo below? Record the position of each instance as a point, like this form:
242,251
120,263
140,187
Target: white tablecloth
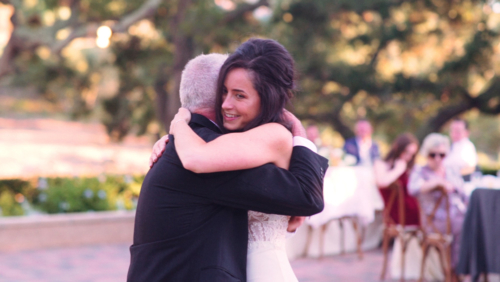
349,191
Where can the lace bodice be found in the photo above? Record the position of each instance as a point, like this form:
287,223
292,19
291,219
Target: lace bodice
265,229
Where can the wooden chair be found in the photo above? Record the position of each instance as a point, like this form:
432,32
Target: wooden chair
393,230
437,239
357,229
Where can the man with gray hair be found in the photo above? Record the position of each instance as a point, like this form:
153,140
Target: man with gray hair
194,227
199,80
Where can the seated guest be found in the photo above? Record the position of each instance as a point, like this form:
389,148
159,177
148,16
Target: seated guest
396,168
424,180
462,156
312,133
362,146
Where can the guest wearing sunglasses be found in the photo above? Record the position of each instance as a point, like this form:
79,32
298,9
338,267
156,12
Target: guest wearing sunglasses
424,180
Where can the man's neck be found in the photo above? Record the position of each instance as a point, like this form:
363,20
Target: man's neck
461,139
208,113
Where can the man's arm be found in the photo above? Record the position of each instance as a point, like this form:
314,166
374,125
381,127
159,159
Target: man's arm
269,189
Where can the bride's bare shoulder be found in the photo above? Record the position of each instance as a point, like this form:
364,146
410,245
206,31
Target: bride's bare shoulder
274,134
273,129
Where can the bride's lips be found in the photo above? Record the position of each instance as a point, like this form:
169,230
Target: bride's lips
229,117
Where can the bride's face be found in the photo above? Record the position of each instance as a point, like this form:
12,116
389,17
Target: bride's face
240,101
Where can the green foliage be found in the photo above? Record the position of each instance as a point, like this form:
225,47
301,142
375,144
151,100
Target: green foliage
73,195
8,204
63,195
490,170
405,65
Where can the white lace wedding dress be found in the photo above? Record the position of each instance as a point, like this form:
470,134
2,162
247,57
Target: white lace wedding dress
266,258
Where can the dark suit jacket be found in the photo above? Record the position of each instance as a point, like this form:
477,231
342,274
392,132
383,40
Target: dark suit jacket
351,147
194,227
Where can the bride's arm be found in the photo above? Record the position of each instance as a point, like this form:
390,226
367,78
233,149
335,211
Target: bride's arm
268,143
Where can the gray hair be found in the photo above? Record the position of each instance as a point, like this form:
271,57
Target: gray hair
199,81
434,140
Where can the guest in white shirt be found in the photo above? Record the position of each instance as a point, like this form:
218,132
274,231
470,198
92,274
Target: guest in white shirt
462,156
362,146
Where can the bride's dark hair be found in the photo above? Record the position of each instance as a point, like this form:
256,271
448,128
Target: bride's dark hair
271,69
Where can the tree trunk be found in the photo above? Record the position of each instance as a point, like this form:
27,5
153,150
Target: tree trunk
435,123
160,85
183,53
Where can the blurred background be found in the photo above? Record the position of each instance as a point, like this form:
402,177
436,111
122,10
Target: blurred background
87,86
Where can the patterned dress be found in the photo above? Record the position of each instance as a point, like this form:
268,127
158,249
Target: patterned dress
411,205
457,200
266,258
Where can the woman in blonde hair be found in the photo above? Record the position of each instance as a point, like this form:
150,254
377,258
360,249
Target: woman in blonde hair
424,180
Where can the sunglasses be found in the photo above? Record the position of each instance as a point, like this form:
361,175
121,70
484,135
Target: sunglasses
433,155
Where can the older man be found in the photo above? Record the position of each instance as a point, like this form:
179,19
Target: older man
362,146
194,227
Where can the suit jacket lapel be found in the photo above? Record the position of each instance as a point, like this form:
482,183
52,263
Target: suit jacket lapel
205,122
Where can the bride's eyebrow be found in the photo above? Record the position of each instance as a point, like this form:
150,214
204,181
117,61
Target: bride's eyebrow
238,90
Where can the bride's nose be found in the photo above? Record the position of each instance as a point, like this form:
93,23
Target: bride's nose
227,104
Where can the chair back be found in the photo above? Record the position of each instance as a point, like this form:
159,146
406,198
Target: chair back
396,196
430,215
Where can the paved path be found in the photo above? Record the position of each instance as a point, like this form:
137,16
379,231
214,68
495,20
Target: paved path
47,147
109,263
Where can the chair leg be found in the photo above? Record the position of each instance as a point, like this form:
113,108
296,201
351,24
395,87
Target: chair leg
359,238
322,240
342,237
308,241
425,251
403,256
385,249
444,263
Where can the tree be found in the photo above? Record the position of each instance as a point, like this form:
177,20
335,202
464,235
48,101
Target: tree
405,65
149,69
411,65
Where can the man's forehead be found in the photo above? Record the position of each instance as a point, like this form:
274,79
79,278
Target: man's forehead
363,124
457,124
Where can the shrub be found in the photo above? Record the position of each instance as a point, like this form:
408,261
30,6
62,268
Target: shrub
77,194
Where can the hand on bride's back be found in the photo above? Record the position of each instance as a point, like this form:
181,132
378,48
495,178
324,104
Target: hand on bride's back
183,114
295,222
158,149
297,127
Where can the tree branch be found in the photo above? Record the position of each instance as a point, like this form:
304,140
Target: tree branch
147,10
242,9
25,38
482,102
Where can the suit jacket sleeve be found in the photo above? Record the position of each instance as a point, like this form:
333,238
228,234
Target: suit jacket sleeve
269,189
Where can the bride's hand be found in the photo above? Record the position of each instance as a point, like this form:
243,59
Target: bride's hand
295,222
183,115
158,149
297,127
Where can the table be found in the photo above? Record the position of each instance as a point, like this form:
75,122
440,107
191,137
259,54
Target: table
348,191
480,245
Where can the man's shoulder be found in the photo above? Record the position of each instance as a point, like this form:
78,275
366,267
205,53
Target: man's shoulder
351,141
350,144
205,133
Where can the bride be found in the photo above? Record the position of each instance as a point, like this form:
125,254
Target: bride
254,85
